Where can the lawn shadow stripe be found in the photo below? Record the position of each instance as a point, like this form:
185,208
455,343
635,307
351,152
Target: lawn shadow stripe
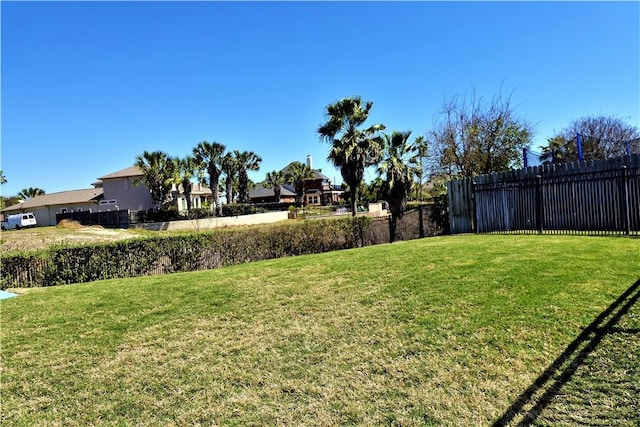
540,394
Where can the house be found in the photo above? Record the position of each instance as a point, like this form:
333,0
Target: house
46,206
123,189
318,191
119,190
200,196
261,194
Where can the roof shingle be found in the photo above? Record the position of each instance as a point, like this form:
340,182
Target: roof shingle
60,198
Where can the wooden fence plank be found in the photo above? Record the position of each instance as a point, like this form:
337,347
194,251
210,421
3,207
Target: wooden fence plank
593,196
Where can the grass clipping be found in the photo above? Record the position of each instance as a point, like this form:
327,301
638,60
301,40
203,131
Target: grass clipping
69,224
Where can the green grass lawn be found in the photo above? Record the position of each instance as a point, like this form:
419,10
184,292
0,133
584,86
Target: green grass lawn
439,331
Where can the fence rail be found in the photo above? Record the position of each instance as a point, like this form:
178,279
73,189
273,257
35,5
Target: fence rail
582,197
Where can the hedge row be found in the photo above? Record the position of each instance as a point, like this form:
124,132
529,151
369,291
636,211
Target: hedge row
175,253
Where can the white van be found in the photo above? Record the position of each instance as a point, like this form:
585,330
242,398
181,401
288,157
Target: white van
19,221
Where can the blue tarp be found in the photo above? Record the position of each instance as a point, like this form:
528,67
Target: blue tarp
5,295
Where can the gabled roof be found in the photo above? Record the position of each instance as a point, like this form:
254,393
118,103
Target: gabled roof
316,174
131,171
261,192
60,198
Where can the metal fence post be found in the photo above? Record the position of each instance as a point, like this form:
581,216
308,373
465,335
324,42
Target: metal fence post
625,199
539,207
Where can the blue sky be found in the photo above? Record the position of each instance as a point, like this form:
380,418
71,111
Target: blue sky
87,86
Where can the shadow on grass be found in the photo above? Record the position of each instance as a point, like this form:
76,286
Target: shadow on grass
528,407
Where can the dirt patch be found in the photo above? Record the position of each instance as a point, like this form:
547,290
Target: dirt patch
71,232
69,224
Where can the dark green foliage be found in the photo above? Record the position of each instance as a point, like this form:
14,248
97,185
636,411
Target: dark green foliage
241,209
180,252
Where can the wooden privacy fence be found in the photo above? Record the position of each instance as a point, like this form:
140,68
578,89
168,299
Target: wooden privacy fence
581,197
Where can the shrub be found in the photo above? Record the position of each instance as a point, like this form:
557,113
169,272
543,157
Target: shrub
237,209
179,252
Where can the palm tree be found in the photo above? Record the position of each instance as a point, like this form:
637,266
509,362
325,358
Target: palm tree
229,166
353,149
275,179
247,161
185,169
396,166
296,174
160,174
3,180
208,156
29,193
421,148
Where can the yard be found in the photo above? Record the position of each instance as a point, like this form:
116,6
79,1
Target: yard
462,330
71,233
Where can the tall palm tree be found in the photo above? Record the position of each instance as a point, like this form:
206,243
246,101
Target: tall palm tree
396,167
352,149
229,167
3,179
160,174
422,151
296,174
30,193
185,168
247,161
208,156
275,179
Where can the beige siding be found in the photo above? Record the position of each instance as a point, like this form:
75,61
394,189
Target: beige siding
46,215
127,194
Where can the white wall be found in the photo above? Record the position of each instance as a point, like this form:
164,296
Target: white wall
216,222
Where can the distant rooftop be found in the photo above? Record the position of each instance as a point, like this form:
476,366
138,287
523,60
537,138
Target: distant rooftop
60,198
123,173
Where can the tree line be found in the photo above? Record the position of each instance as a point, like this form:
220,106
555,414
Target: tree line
473,137
209,163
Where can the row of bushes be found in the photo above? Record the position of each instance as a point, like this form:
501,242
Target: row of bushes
172,214
182,252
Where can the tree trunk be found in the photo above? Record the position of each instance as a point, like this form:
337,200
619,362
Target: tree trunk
186,189
214,178
229,190
354,207
392,228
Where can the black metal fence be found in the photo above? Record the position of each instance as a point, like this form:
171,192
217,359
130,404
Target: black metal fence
118,218
583,197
